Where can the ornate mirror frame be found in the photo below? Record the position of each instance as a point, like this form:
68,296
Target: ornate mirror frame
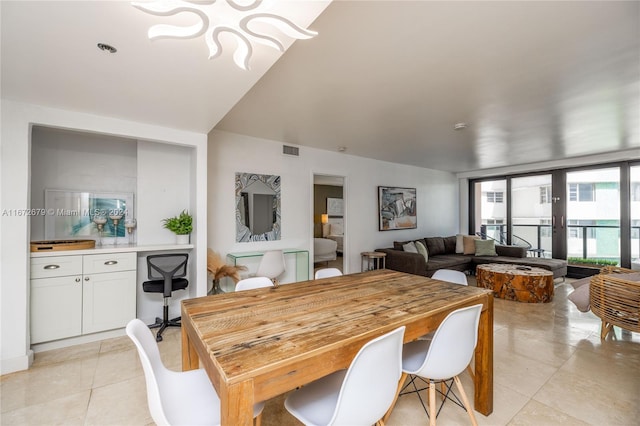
243,182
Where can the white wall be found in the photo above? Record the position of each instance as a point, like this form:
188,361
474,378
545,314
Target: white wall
78,161
17,120
437,194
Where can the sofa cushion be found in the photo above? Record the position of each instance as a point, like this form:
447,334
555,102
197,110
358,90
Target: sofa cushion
450,244
410,247
579,283
459,243
580,298
449,261
469,245
485,248
435,245
511,251
422,250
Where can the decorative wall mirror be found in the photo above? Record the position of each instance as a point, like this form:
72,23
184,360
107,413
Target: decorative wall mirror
257,207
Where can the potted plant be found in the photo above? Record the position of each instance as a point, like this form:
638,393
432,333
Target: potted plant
181,225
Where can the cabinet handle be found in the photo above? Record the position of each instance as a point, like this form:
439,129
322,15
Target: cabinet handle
86,278
77,280
52,267
111,262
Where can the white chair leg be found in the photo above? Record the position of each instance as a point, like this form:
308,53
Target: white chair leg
432,403
465,401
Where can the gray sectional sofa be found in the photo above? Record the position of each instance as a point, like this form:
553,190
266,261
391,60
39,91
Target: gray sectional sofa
442,255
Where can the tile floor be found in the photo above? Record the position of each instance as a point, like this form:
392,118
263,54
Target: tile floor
550,368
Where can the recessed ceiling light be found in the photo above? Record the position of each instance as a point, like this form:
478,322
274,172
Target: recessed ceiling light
107,48
342,148
459,126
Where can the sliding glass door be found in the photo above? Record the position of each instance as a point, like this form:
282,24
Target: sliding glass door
634,202
589,216
490,209
593,216
531,199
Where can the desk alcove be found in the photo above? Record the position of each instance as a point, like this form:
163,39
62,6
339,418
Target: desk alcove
72,160
79,296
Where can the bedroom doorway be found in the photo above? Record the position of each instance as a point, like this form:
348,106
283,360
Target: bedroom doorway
328,222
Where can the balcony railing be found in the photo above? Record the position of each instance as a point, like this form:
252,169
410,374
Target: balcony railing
585,241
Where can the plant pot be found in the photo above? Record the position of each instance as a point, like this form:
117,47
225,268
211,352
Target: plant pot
182,239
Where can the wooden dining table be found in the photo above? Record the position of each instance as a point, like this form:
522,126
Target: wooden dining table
258,344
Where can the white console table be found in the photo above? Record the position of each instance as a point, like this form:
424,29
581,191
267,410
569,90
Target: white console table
296,261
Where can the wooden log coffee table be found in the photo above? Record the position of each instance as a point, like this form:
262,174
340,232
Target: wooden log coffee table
516,282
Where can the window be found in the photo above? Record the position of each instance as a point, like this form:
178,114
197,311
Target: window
495,197
635,191
581,192
545,194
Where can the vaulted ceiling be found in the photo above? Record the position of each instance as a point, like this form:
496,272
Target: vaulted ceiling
533,81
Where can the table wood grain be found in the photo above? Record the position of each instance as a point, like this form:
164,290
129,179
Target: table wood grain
258,344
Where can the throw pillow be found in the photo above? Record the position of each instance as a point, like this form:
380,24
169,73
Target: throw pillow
336,229
579,283
410,247
469,247
435,245
580,298
459,243
422,250
485,248
450,244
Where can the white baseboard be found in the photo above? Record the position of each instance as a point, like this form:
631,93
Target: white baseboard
16,364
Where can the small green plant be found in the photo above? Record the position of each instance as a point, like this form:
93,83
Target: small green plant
180,225
598,262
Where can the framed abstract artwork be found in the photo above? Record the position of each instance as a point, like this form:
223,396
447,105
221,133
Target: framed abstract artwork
70,214
396,208
335,207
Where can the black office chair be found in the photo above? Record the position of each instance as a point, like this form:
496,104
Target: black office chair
166,272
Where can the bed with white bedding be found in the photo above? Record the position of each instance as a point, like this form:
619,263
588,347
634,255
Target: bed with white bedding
334,230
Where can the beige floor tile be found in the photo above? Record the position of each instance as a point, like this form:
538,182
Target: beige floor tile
519,373
46,383
122,403
536,414
67,410
583,397
117,366
86,350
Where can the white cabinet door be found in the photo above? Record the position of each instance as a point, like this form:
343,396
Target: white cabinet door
56,308
108,301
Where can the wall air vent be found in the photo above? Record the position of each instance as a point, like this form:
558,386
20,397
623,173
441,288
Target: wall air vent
291,150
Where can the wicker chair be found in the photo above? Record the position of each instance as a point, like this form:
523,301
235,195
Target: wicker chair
615,300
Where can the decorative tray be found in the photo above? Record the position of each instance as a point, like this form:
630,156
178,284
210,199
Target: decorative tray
60,245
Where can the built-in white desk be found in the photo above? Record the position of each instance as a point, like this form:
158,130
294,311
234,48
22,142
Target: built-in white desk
78,296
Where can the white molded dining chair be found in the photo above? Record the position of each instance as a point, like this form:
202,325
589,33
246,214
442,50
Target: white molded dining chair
176,398
253,282
327,272
442,358
359,395
449,275
271,265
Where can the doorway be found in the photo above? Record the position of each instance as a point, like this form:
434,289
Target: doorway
328,222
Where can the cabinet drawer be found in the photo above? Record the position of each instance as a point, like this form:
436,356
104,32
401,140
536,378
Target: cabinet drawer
57,266
115,262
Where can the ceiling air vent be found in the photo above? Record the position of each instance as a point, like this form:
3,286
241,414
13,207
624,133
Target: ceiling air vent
291,150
